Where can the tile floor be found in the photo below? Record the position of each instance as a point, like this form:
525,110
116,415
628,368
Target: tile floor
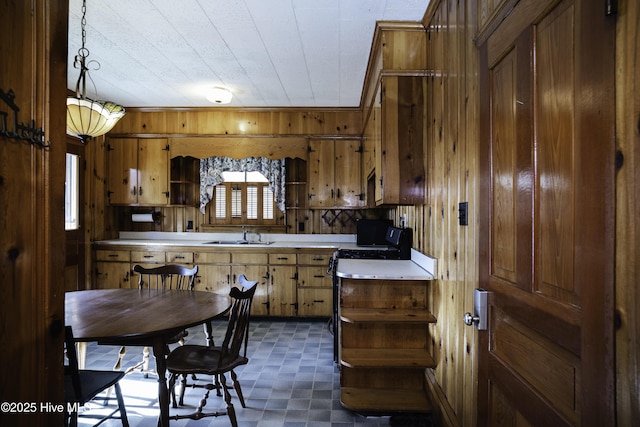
290,381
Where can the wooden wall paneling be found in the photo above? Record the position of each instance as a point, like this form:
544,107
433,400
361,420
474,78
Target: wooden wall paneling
234,121
33,66
627,228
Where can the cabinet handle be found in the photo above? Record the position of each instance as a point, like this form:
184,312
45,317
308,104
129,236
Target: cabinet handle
140,192
134,191
319,258
282,258
319,276
339,194
147,256
113,255
179,257
318,300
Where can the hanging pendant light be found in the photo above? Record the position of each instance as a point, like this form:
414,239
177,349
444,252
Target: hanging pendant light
85,117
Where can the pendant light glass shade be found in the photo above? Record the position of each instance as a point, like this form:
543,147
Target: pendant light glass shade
88,118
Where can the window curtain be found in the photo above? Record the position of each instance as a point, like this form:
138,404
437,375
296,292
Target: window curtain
211,175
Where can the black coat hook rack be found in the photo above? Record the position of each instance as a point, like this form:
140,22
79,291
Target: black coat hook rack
20,131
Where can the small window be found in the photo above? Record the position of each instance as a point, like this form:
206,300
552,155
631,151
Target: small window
244,197
72,193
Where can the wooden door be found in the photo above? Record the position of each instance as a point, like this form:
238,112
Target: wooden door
321,173
153,172
546,241
348,173
122,171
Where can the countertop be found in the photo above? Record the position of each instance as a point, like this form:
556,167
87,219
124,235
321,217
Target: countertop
383,269
271,241
419,267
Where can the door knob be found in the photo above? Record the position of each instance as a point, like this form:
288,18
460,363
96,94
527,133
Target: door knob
479,319
470,319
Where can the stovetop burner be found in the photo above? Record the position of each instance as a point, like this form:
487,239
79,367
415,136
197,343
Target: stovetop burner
368,253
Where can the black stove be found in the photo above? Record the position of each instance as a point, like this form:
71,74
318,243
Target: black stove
371,253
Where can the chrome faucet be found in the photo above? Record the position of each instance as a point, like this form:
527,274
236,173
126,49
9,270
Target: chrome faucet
244,233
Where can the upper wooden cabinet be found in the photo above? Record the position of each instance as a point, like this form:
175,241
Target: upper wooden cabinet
395,116
138,171
399,176
335,170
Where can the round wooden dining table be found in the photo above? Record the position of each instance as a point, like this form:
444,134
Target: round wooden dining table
120,316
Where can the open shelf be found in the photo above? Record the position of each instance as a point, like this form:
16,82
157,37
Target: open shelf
386,315
372,401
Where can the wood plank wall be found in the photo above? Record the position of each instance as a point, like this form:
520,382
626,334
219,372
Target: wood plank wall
627,207
286,127
33,48
452,177
451,164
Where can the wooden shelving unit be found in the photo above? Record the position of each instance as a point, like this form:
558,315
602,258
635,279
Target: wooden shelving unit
384,336
185,181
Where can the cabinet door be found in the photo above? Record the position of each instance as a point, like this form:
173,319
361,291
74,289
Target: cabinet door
214,278
315,302
282,290
260,304
321,173
113,275
347,173
153,172
122,173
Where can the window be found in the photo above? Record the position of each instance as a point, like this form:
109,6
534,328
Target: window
243,198
72,193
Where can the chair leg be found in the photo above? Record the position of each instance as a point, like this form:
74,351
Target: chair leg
183,387
123,410
236,386
145,364
227,398
172,389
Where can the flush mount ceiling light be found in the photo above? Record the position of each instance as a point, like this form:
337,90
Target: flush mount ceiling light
85,117
219,95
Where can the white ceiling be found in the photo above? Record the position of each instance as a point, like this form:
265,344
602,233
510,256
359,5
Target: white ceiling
269,53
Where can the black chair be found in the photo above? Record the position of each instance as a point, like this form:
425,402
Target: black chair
170,276
216,361
82,386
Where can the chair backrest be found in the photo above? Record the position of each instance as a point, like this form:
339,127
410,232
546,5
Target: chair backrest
170,276
72,368
237,335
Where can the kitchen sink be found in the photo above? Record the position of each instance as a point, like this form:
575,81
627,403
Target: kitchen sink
235,242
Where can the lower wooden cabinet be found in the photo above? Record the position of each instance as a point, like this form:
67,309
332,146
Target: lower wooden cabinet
384,345
113,269
291,282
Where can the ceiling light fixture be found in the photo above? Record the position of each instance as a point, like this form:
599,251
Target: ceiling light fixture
85,117
219,95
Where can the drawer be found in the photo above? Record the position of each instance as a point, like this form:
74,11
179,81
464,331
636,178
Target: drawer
314,259
107,255
140,256
179,257
249,258
275,259
212,258
313,277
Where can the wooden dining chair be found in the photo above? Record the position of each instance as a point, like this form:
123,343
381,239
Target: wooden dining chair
83,385
170,276
218,360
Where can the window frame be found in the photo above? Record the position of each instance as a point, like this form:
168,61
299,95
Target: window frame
243,219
